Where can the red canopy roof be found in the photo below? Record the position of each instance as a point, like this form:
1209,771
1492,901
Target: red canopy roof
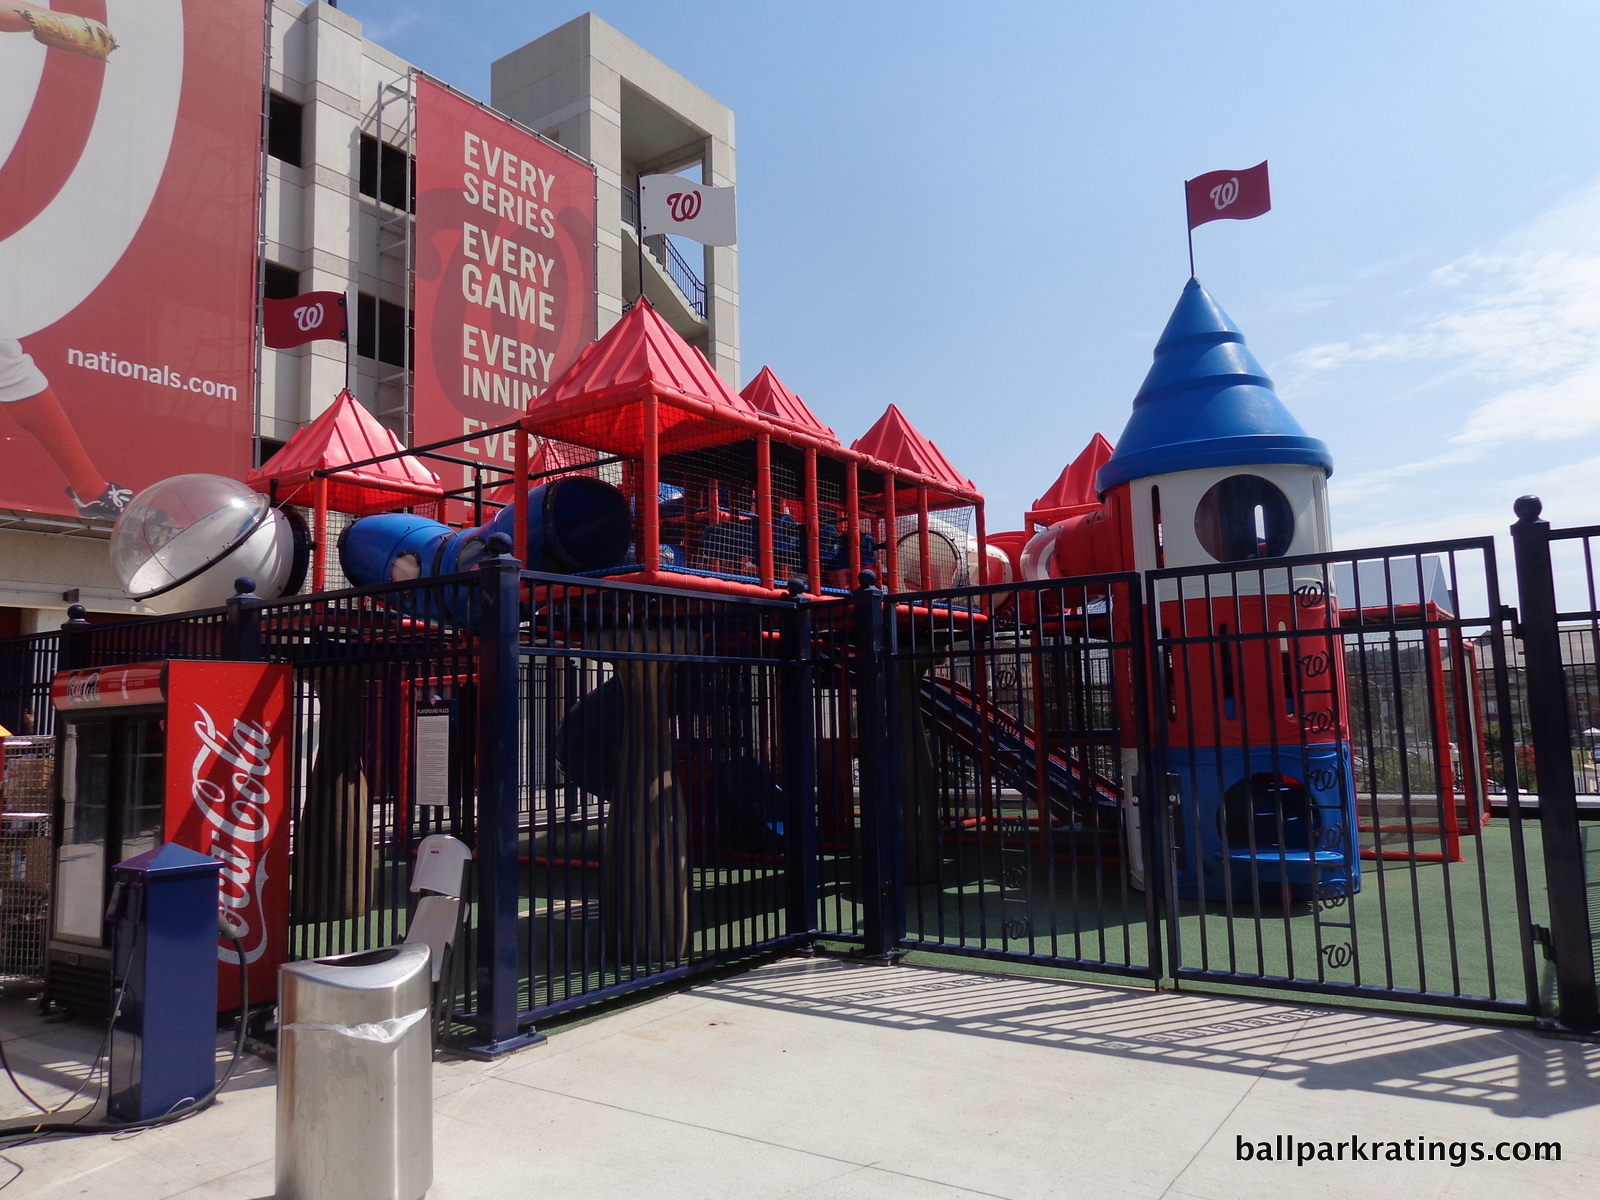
1074,492
895,440
346,433
596,402
767,394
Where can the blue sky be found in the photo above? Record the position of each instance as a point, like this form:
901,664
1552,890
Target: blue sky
976,212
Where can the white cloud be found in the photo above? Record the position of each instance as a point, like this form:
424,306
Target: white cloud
1300,301
1568,492
1525,323
1563,407
1343,490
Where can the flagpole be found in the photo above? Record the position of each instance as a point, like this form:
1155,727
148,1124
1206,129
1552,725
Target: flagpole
638,227
1190,226
346,303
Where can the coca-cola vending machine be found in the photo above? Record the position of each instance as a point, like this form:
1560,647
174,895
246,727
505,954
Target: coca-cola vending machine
190,752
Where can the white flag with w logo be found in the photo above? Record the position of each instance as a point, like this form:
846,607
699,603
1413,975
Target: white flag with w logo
673,204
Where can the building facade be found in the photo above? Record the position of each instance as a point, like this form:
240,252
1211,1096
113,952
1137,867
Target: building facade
337,216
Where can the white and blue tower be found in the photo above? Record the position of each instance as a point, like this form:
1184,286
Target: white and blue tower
1213,469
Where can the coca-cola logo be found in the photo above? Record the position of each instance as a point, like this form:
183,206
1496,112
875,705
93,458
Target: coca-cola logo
237,816
685,206
308,317
84,688
1225,194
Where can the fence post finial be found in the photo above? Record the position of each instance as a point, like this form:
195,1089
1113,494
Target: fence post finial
74,653
243,622
1527,508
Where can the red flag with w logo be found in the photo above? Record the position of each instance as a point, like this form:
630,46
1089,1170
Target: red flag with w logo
1228,195
304,318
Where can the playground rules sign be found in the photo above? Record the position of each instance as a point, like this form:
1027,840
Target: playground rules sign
505,270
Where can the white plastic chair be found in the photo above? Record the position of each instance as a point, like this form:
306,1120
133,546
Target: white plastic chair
436,920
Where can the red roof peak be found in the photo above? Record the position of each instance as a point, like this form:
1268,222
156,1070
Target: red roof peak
639,349
345,433
895,440
773,401
1074,491
590,403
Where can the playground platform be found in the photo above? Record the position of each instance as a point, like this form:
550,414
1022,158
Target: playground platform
822,1078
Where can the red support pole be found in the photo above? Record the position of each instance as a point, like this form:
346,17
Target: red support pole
981,680
813,526
764,506
924,542
852,523
319,536
983,555
650,498
892,520
519,498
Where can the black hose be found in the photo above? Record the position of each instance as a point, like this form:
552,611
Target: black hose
73,1129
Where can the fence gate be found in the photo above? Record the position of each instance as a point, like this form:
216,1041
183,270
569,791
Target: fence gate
1010,722
1335,811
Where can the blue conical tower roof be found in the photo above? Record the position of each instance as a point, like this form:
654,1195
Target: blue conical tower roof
1206,403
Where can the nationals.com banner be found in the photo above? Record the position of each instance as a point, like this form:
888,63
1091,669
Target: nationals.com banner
130,138
505,270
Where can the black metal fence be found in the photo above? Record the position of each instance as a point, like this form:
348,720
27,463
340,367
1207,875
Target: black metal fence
1290,773
1320,738
650,778
1017,713
27,665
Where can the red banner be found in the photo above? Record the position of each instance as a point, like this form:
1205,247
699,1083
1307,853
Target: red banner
505,270
130,159
309,317
228,763
1228,195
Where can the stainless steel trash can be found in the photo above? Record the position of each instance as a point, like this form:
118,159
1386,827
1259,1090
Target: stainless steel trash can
355,1077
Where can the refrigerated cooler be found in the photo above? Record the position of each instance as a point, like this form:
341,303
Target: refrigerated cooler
190,752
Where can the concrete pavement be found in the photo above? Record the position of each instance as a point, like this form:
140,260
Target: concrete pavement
820,1079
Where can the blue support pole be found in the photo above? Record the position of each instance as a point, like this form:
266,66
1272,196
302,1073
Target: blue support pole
498,883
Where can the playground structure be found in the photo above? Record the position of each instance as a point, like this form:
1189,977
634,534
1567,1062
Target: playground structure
650,470
682,724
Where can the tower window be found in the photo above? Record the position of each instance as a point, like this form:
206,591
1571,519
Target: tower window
1155,528
1243,517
